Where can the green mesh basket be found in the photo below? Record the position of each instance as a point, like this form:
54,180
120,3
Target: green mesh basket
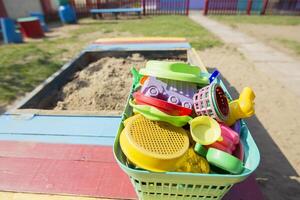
182,185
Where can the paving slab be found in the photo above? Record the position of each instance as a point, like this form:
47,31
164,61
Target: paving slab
283,67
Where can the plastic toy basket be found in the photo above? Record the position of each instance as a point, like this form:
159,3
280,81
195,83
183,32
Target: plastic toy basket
183,185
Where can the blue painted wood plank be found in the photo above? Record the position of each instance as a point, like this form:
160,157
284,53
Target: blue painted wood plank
90,126
116,10
138,46
107,141
98,130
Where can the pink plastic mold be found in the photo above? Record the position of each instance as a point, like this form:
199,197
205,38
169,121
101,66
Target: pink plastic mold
211,101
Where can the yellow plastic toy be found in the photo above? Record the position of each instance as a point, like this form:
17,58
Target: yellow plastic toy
242,107
153,145
205,130
193,163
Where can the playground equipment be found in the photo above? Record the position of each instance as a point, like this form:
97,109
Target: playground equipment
242,107
31,27
9,32
115,11
67,14
211,101
41,17
156,146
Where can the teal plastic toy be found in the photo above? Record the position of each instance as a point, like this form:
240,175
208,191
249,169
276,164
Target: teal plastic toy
224,161
220,159
200,150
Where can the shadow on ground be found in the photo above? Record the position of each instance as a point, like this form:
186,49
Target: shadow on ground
2,109
275,175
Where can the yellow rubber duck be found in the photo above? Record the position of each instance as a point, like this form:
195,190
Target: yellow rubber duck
242,107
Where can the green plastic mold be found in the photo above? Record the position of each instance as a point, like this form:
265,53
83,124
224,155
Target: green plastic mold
174,71
154,114
224,161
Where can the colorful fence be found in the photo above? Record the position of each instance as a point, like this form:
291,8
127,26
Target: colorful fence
251,7
234,6
48,9
150,7
3,12
156,7
289,7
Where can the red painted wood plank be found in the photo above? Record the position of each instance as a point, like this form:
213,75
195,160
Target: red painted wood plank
77,170
62,169
98,179
56,151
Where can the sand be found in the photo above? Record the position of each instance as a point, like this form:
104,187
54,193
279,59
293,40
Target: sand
275,125
103,85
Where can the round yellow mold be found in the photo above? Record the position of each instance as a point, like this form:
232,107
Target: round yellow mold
153,145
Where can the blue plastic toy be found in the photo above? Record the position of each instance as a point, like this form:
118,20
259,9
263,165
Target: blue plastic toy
41,17
213,76
10,35
67,14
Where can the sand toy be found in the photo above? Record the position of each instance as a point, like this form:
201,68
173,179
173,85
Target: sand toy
152,145
194,163
155,114
224,161
175,92
174,71
229,140
242,107
205,130
211,101
214,75
166,107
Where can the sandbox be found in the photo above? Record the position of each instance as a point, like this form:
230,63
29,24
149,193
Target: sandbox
93,83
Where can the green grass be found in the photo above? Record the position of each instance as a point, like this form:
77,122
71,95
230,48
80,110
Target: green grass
290,44
24,66
168,26
273,20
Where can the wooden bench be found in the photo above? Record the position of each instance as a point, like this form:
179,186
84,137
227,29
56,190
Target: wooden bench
115,11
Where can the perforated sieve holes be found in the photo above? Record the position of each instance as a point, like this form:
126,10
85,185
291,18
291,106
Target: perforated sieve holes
156,137
202,102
